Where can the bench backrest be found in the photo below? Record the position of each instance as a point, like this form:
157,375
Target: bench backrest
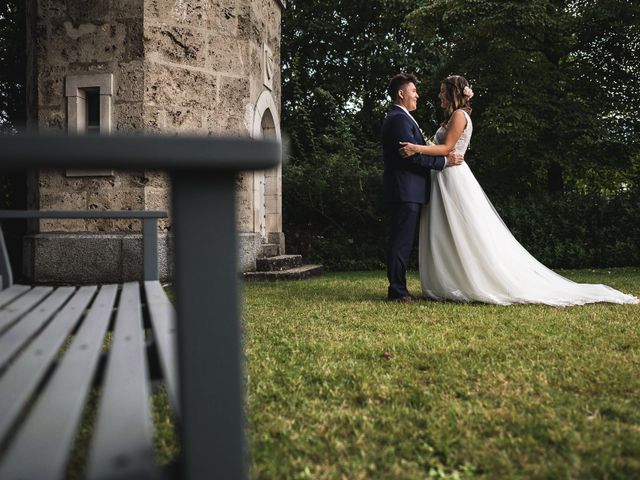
202,172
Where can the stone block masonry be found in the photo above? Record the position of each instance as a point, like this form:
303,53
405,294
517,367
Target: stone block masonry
177,67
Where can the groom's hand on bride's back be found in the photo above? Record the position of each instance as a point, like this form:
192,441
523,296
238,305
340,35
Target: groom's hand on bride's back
454,159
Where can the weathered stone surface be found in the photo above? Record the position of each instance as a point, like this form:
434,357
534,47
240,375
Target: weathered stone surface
129,117
52,119
159,198
128,9
278,263
156,179
218,15
167,85
279,239
234,94
297,273
131,257
185,120
90,42
270,184
111,199
248,249
176,44
129,81
72,258
134,40
58,180
51,86
81,258
272,205
155,119
273,222
228,55
269,250
61,200
235,126
244,202
180,67
51,9
82,11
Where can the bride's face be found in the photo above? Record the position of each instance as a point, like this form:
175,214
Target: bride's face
444,103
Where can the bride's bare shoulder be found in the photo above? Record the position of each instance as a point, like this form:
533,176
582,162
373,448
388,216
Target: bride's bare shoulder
458,119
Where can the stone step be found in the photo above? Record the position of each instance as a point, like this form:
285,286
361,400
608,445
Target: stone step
297,273
270,250
278,263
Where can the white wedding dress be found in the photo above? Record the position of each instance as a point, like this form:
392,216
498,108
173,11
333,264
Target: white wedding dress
468,254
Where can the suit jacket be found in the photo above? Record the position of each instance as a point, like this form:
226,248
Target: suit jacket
405,179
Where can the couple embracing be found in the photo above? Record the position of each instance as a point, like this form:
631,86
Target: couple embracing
466,252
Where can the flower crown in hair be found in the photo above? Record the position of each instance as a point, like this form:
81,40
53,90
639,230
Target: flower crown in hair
467,92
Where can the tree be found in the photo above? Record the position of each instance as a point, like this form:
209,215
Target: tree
553,80
13,60
337,58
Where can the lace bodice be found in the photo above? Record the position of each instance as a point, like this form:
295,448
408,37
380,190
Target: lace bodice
463,142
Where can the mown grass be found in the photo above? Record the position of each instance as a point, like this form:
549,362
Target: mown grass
344,385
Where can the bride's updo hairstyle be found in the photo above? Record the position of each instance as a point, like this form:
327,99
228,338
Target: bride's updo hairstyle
458,94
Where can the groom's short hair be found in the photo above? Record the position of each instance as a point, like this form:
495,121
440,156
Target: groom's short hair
399,82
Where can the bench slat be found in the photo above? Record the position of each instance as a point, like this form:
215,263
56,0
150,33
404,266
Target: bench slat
16,337
12,293
163,321
51,425
123,442
19,382
12,312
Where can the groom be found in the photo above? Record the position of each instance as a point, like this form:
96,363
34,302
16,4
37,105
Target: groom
407,181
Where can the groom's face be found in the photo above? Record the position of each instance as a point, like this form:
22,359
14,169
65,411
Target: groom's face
409,96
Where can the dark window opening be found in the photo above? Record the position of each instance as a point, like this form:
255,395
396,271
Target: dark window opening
93,111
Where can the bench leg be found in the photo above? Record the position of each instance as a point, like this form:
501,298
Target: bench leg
6,276
209,332
150,248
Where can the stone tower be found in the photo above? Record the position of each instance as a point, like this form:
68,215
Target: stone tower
200,67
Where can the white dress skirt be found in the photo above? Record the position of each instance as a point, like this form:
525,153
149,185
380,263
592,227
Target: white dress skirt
467,254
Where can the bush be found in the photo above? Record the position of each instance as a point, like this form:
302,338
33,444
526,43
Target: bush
577,230
572,231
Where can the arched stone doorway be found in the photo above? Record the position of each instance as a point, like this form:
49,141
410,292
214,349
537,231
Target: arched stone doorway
267,186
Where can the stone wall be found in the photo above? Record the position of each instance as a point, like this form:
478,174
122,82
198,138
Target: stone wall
178,66
80,37
204,71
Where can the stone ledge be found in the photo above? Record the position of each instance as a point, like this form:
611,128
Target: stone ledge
84,258
278,263
298,273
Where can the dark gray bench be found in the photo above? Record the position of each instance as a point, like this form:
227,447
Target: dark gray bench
43,391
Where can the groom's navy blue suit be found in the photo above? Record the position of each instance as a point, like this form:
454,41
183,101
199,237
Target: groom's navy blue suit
407,186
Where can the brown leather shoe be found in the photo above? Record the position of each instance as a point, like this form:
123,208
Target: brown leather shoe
405,299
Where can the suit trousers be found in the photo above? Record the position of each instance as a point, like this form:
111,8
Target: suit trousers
403,224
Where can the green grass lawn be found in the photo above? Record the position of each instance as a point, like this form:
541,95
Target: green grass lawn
344,385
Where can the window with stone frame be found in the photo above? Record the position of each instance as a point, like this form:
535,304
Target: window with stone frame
89,104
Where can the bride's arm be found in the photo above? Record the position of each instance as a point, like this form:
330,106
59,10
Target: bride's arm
457,124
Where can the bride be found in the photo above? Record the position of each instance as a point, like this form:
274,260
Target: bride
466,252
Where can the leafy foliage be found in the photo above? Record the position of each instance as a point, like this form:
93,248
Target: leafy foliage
13,61
577,229
554,111
337,57
553,82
